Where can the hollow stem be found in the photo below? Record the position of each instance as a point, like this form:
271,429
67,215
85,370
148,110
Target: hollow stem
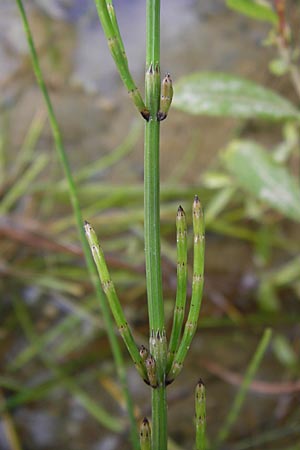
197,289
110,27
62,156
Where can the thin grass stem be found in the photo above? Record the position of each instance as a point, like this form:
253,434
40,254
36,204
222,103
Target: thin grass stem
181,238
20,186
78,218
241,395
197,290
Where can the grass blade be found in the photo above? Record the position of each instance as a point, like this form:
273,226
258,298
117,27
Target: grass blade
240,397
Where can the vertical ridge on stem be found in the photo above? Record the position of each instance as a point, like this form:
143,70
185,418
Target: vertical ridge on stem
152,226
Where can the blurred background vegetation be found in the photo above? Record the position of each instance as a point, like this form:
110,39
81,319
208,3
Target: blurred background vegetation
58,387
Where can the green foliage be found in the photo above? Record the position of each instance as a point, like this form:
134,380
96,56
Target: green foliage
256,172
221,94
256,9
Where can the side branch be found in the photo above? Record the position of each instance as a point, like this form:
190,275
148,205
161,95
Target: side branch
197,289
110,27
113,300
181,238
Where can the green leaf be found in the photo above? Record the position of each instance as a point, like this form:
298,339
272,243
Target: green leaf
256,172
221,94
255,9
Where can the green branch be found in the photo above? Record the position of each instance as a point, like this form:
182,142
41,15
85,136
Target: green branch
179,309
110,27
113,300
197,289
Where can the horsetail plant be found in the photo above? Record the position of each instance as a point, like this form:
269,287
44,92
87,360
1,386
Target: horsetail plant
162,364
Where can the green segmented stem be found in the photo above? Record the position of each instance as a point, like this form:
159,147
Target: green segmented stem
157,341
114,22
197,289
200,415
145,435
111,30
113,300
181,238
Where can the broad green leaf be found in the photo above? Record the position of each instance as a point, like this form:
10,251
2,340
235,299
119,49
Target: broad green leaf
221,94
259,10
256,172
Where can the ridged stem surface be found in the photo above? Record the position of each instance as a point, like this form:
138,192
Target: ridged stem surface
158,347
197,290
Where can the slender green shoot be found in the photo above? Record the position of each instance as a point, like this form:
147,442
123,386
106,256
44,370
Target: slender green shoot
197,290
145,435
200,416
114,22
21,185
241,395
62,155
181,238
113,300
25,155
111,30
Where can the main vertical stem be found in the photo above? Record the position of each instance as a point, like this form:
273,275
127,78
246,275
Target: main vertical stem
152,226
